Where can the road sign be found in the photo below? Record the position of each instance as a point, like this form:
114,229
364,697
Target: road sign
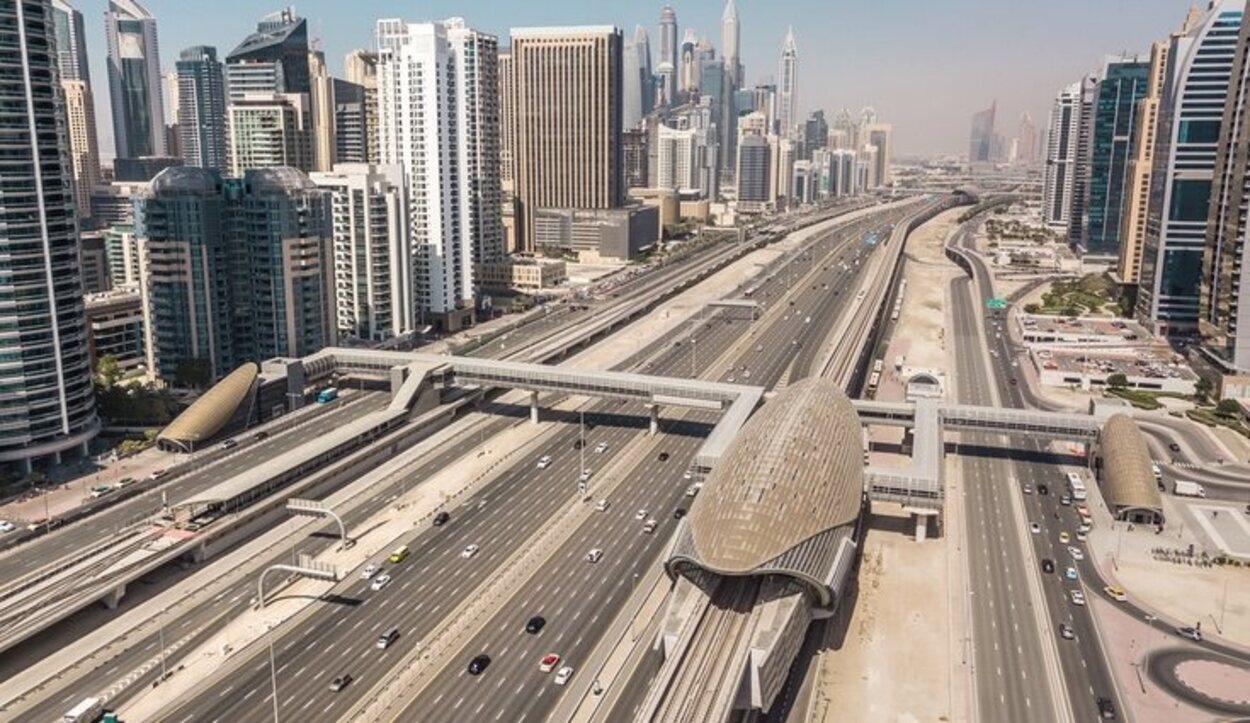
996,304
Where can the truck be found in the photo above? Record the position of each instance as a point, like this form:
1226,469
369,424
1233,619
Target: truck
1185,488
327,395
88,710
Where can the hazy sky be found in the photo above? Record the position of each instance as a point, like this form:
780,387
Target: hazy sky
925,65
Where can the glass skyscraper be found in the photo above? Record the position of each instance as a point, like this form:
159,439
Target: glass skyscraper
46,401
202,108
134,67
1123,84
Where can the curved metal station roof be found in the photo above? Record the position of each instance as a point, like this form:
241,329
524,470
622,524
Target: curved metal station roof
1129,480
210,412
786,494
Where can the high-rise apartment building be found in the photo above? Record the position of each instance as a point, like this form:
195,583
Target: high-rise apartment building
1123,85
566,144
788,87
274,59
321,106
688,67
47,406
134,68
981,139
373,267
269,130
351,122
1061,152
666,71
438,112
1190,116
202,108
635,145
1026,141
881,137
637,85
84,145
360,67
1077,215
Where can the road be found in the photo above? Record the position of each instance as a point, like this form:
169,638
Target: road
439,551
98,527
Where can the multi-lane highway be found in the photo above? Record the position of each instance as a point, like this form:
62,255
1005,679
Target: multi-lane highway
546,491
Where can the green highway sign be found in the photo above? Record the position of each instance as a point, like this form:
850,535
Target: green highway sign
996,304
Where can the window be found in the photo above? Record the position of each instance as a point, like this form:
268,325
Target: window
1189,200
1198,131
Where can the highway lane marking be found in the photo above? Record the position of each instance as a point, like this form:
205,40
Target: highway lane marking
250,693
225,692
459,702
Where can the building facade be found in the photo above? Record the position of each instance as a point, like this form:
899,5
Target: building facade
46,398
981,139
202,108
597,235
1124,84
666,71
270,130
134,68
1061,148
361,69
788,87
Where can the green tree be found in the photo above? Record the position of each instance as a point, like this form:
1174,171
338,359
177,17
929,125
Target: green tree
108,371
1228,408
1117,381
195,373
1202,388
1032,308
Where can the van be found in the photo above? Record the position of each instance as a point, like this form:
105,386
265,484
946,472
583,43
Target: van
385,640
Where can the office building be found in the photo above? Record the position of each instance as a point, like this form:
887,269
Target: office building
583,120
1190,116
360,67
788,87
71,42
1027,141
1224,301
597,235
274,59
202,108
450,155
93,262
635,154
351,122
169,97
637,83
115,328
321,107
755,159
981,139
881,137
731,81
269,130
815,134
112,203
134,69
84,145
142,170
1123,85
1078,213
374,274
667,69
47,406
1061,151
676,163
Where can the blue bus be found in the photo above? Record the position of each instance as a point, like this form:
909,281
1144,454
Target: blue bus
327,395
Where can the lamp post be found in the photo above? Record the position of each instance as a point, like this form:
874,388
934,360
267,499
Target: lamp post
273,676
160,631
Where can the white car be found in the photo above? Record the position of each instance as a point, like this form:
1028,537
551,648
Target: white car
585,476
602,505
601,448
1035,528
563,675
6,526
650,526
544,461
369,571
469,551
381,581
1078,597
594,555
688,475
1076,553
692,490
640,515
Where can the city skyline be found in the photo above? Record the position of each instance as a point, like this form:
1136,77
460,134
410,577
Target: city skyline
854,70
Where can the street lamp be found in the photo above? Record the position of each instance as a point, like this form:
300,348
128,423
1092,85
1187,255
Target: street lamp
160,630
273,674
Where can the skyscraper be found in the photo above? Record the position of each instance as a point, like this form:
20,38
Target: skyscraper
667,69
1061,150
374,299
1190,117
637,84
351,122
202,108
450,155
881,137
688,76
981,139
269,130
583,119
788,87
321,105
731,81
1077,215
361,68
1026,141
274,59
134,68
84,145
48,406
730,36
1123,84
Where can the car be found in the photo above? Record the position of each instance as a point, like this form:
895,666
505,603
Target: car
1048,565
1014,381
649,526
441,518
1076,553
369,571
381,581
544,461
158,473
1193,634
1085,525
1069,573
563,675
478,664
535,624
230,444
469,551
1078,597
385,639
679,513
663,456
1035,528
692,490
1082,510
1115,593
601,448
1064,537
602,505
1106,708
578,444
594,555
261,436
1027,488
1081,536
100,491
1043,489
585,476
687,475
1065,500
340,682
548,663
640,515
1174,447
1066,632
6,526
